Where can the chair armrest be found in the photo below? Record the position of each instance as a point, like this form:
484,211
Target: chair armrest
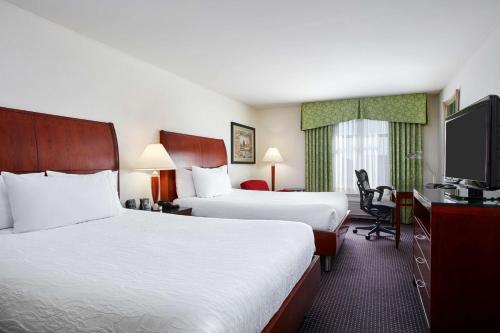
381,191
388,188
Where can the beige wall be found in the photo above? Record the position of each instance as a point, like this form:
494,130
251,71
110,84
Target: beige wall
47,68
281,127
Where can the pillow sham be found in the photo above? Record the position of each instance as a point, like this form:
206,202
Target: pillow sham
184,183
39,203
6,220
112,175
211,182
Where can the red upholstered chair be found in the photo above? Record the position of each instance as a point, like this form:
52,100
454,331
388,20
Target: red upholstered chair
256,185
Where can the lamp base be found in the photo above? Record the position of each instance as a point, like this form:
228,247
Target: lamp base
273,176
155,187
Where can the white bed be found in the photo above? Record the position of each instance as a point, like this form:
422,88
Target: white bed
321,210
150,272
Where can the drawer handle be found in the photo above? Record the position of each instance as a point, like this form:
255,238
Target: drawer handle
420,283
420,260
420,237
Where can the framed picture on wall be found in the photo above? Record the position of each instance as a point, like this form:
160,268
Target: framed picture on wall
242,144
452,105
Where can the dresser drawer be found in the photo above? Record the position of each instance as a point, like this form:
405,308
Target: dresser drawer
420,264
423,291
423,242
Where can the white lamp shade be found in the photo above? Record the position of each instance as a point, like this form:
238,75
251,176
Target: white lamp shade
272,155
155,157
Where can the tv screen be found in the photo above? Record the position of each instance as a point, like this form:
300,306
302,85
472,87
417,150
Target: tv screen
467,144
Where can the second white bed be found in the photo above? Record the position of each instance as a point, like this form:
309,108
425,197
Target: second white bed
320,210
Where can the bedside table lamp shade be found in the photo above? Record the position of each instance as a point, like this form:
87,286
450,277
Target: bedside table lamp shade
273,155
156,158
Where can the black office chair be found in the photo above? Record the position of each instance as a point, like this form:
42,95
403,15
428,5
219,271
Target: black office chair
381,210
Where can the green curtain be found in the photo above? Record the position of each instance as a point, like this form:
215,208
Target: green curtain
404,139
319,159
324,113
410,108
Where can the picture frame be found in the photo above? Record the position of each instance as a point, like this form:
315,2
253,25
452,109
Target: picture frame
452,105
243,148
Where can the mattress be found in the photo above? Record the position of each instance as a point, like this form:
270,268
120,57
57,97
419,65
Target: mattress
151,272
321,210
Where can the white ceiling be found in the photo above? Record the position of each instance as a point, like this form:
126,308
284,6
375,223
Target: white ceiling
270,52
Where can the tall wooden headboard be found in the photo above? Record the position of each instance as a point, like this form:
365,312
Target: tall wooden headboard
36,142
186,151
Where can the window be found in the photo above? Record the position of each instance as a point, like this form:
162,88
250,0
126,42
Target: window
360,144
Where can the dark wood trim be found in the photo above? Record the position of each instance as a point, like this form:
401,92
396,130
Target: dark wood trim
36,142
291,313
328,243
232,143
187,150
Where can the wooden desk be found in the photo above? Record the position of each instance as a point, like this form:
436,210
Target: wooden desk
400,198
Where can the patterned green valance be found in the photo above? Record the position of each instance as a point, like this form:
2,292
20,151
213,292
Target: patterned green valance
320,114
396,109
411,108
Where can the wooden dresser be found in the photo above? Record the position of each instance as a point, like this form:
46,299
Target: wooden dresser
456,262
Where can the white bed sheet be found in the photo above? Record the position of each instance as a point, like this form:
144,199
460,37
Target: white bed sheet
151,272
6,231
321,210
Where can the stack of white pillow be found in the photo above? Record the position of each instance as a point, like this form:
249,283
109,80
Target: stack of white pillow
30,202
202,182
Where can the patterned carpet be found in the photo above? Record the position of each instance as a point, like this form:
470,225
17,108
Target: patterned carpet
369,289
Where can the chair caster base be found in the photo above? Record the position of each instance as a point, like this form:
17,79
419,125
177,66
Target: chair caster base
355,231
367,237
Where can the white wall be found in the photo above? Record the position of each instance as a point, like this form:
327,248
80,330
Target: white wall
431,140
477,78
280,127
47,68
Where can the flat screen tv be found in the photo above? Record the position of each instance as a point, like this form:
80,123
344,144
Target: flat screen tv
473,144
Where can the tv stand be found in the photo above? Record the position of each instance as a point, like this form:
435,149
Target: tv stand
456,251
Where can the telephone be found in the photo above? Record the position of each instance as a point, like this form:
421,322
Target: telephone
165,205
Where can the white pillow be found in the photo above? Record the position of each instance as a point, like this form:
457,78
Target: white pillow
211,182
6,220
39,203
184,183
112,175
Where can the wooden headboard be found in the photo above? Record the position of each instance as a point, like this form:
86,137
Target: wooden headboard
36,142
186,151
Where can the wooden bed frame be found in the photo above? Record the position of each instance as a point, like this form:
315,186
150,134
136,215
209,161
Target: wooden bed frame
188,150
36,142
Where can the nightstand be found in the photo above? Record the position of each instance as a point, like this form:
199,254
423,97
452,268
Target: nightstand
179,211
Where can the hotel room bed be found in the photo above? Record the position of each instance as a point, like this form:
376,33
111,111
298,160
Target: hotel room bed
321,210
149,272
326,212
140,271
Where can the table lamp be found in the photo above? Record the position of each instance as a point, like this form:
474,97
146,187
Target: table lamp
156,158
273,155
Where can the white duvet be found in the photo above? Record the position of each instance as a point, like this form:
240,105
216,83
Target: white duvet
321,210
150,272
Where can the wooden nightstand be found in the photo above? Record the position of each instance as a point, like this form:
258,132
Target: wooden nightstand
179,211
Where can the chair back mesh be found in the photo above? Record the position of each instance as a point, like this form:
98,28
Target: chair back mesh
365,198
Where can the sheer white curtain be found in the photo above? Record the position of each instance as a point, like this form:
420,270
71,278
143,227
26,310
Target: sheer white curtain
360,144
